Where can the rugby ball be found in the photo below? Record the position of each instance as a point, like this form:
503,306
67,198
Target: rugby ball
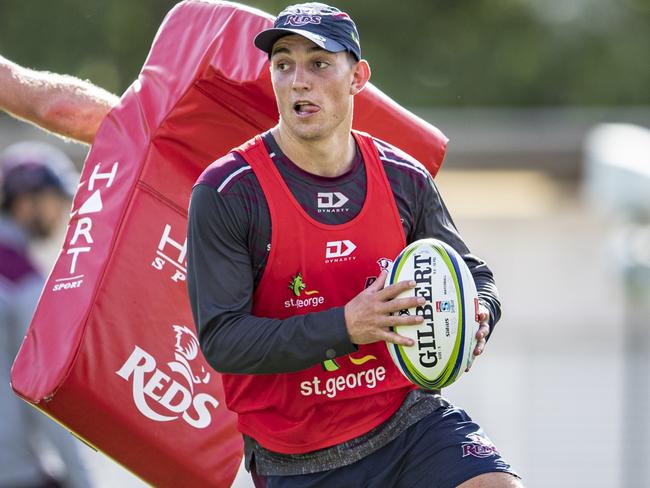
444,341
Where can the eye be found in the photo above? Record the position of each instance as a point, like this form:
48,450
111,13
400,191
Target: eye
321,64
280,63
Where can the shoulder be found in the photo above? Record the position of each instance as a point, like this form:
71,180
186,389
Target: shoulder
226,173
400,165
15,266
226,195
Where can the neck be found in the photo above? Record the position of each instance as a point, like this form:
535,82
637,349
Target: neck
330,156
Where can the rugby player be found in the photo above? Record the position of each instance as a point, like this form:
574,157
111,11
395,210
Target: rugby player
284,234
351,419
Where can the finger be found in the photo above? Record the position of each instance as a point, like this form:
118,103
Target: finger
398,304
394,338
483,315
378,284
395,320
478,349
469,366
395,289
482,332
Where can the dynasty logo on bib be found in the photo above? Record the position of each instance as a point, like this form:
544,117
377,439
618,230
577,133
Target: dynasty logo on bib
332,202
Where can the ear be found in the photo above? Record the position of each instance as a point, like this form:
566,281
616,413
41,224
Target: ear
360,77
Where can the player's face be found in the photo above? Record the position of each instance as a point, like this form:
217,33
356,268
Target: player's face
313,88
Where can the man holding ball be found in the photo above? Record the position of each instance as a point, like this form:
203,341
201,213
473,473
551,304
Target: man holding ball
286,235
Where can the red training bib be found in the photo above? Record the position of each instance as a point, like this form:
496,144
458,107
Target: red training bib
311,267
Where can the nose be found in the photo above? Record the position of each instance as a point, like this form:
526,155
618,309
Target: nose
300,78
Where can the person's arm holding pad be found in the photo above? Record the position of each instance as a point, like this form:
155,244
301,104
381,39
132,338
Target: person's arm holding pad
62,104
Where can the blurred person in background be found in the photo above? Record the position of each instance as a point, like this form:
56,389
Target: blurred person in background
37,182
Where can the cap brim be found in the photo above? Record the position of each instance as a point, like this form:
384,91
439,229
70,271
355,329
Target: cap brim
266,39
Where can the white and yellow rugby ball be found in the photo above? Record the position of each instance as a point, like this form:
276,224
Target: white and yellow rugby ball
445,340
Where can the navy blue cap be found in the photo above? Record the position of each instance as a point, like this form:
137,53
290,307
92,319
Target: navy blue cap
325,26
31,166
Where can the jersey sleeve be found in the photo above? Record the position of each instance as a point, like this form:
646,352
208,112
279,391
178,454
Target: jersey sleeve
221,286
424,215
433,220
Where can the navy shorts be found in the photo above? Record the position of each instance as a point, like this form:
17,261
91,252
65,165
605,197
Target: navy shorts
442,450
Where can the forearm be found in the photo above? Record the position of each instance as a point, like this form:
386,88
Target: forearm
435,221
241,343
487,290
62,104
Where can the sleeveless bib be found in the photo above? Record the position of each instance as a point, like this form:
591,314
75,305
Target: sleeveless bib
314,266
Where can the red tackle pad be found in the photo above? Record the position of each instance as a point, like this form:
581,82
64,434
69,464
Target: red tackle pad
112,352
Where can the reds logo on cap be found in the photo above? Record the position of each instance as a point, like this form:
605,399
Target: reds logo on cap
298,20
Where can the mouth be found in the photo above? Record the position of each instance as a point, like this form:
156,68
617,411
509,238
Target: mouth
304,108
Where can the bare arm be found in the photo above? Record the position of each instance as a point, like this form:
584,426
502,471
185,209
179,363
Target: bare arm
62,104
